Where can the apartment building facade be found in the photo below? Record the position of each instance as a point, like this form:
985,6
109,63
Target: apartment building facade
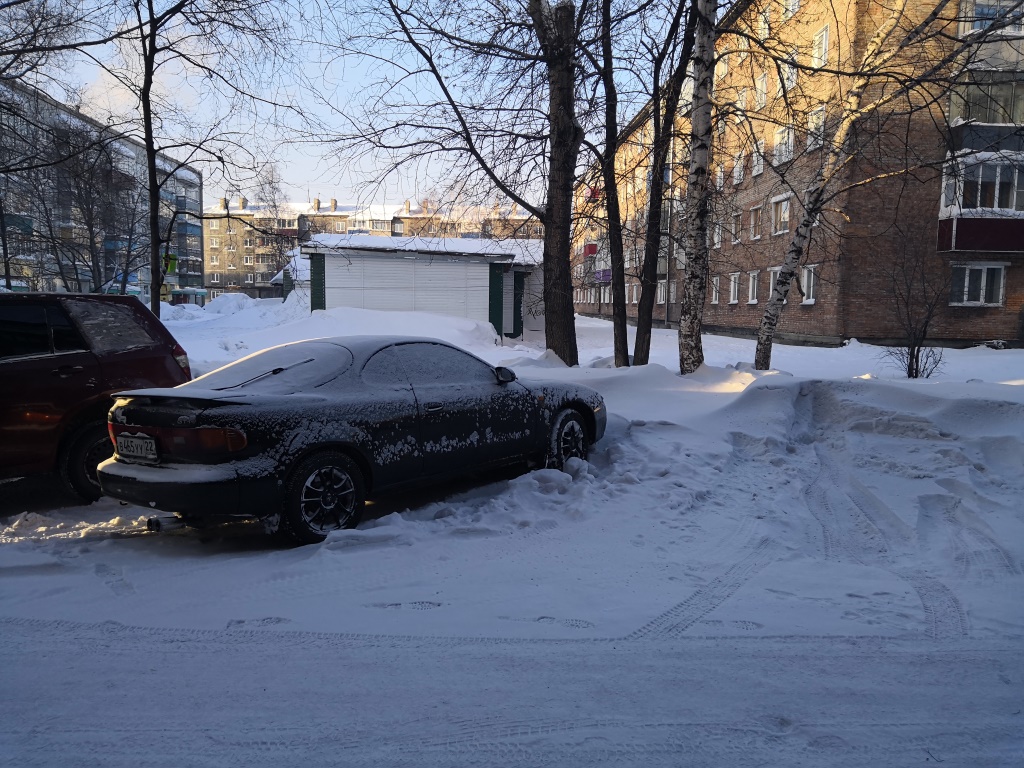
930,204
75,204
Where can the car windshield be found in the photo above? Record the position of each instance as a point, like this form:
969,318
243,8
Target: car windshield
280,370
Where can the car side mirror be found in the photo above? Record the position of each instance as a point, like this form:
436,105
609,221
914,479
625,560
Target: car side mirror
505,375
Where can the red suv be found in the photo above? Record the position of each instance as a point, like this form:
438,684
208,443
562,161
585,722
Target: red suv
62,356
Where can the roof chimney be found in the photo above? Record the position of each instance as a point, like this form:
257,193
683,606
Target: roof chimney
316,205
223,203
334,204
408,207
242,202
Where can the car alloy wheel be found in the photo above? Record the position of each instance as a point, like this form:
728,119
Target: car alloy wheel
568,439
326,493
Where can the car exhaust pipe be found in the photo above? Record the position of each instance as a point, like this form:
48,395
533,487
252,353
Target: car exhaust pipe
167,523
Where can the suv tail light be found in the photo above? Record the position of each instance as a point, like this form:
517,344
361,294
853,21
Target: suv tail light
181,358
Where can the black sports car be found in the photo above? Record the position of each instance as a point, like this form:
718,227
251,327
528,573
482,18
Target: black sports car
300,434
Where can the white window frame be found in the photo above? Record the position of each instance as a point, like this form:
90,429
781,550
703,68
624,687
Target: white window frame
809,283
247,260
741,105
248,242
250,277
215,242
773,278
783,151
756,217
662,291
214,260
816,127
214,225
716,234
819,48
715,289
737,227
734,288
757,166
230,247
339,226
761,91
720,178
777,206
983,267
752,276
817,218
739,167
955,183
214,277
789,9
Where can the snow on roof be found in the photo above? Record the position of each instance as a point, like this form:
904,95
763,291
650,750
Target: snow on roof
284,209
520,251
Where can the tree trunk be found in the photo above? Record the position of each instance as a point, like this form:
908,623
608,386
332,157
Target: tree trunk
611,188
691,315
3,243
557,32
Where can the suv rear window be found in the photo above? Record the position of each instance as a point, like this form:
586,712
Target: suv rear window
23,331
109,327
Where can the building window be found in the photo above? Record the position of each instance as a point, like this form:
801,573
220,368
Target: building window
819,48
716,235
247,242
247,260
215,294
787,74
783,144
734,288
991,99
789,8
780,215
761,91
287,223
807,205
971,184
214,260
231,247
719,178
809,283
215,242
741,105
977,284
215,277
773,278
738,167
250,278
736,227
662,287
755,223
339,226
815,127
214,225
636,292
988,11
757,166
764,23
715,285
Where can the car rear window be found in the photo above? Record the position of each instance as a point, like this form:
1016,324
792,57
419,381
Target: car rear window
110,327
282,370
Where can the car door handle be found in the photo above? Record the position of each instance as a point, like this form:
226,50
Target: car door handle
67,370
433,407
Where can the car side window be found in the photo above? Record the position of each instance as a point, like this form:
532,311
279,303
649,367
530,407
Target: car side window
426,363
23,331
66,337
384,369
109,327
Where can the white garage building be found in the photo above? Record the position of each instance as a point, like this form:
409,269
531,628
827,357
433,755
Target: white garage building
496,281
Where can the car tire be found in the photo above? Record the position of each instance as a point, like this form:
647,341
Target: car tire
568,439
86,448
325,493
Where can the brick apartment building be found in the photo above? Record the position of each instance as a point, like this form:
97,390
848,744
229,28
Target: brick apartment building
954,222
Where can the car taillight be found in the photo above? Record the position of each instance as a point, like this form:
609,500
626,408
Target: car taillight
188,443
181,358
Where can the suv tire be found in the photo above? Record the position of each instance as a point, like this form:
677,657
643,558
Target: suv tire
86,448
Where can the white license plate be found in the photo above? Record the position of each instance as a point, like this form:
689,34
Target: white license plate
137,447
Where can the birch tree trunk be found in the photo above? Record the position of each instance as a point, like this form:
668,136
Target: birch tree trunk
691,315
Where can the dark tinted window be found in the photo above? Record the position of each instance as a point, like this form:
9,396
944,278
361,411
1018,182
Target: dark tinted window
385,369
426,363
23,331
109,327
66,337
280,370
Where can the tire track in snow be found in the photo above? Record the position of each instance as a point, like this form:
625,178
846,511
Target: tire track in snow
678,619
850,529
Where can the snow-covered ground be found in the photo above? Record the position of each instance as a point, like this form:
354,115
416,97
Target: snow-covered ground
817,566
